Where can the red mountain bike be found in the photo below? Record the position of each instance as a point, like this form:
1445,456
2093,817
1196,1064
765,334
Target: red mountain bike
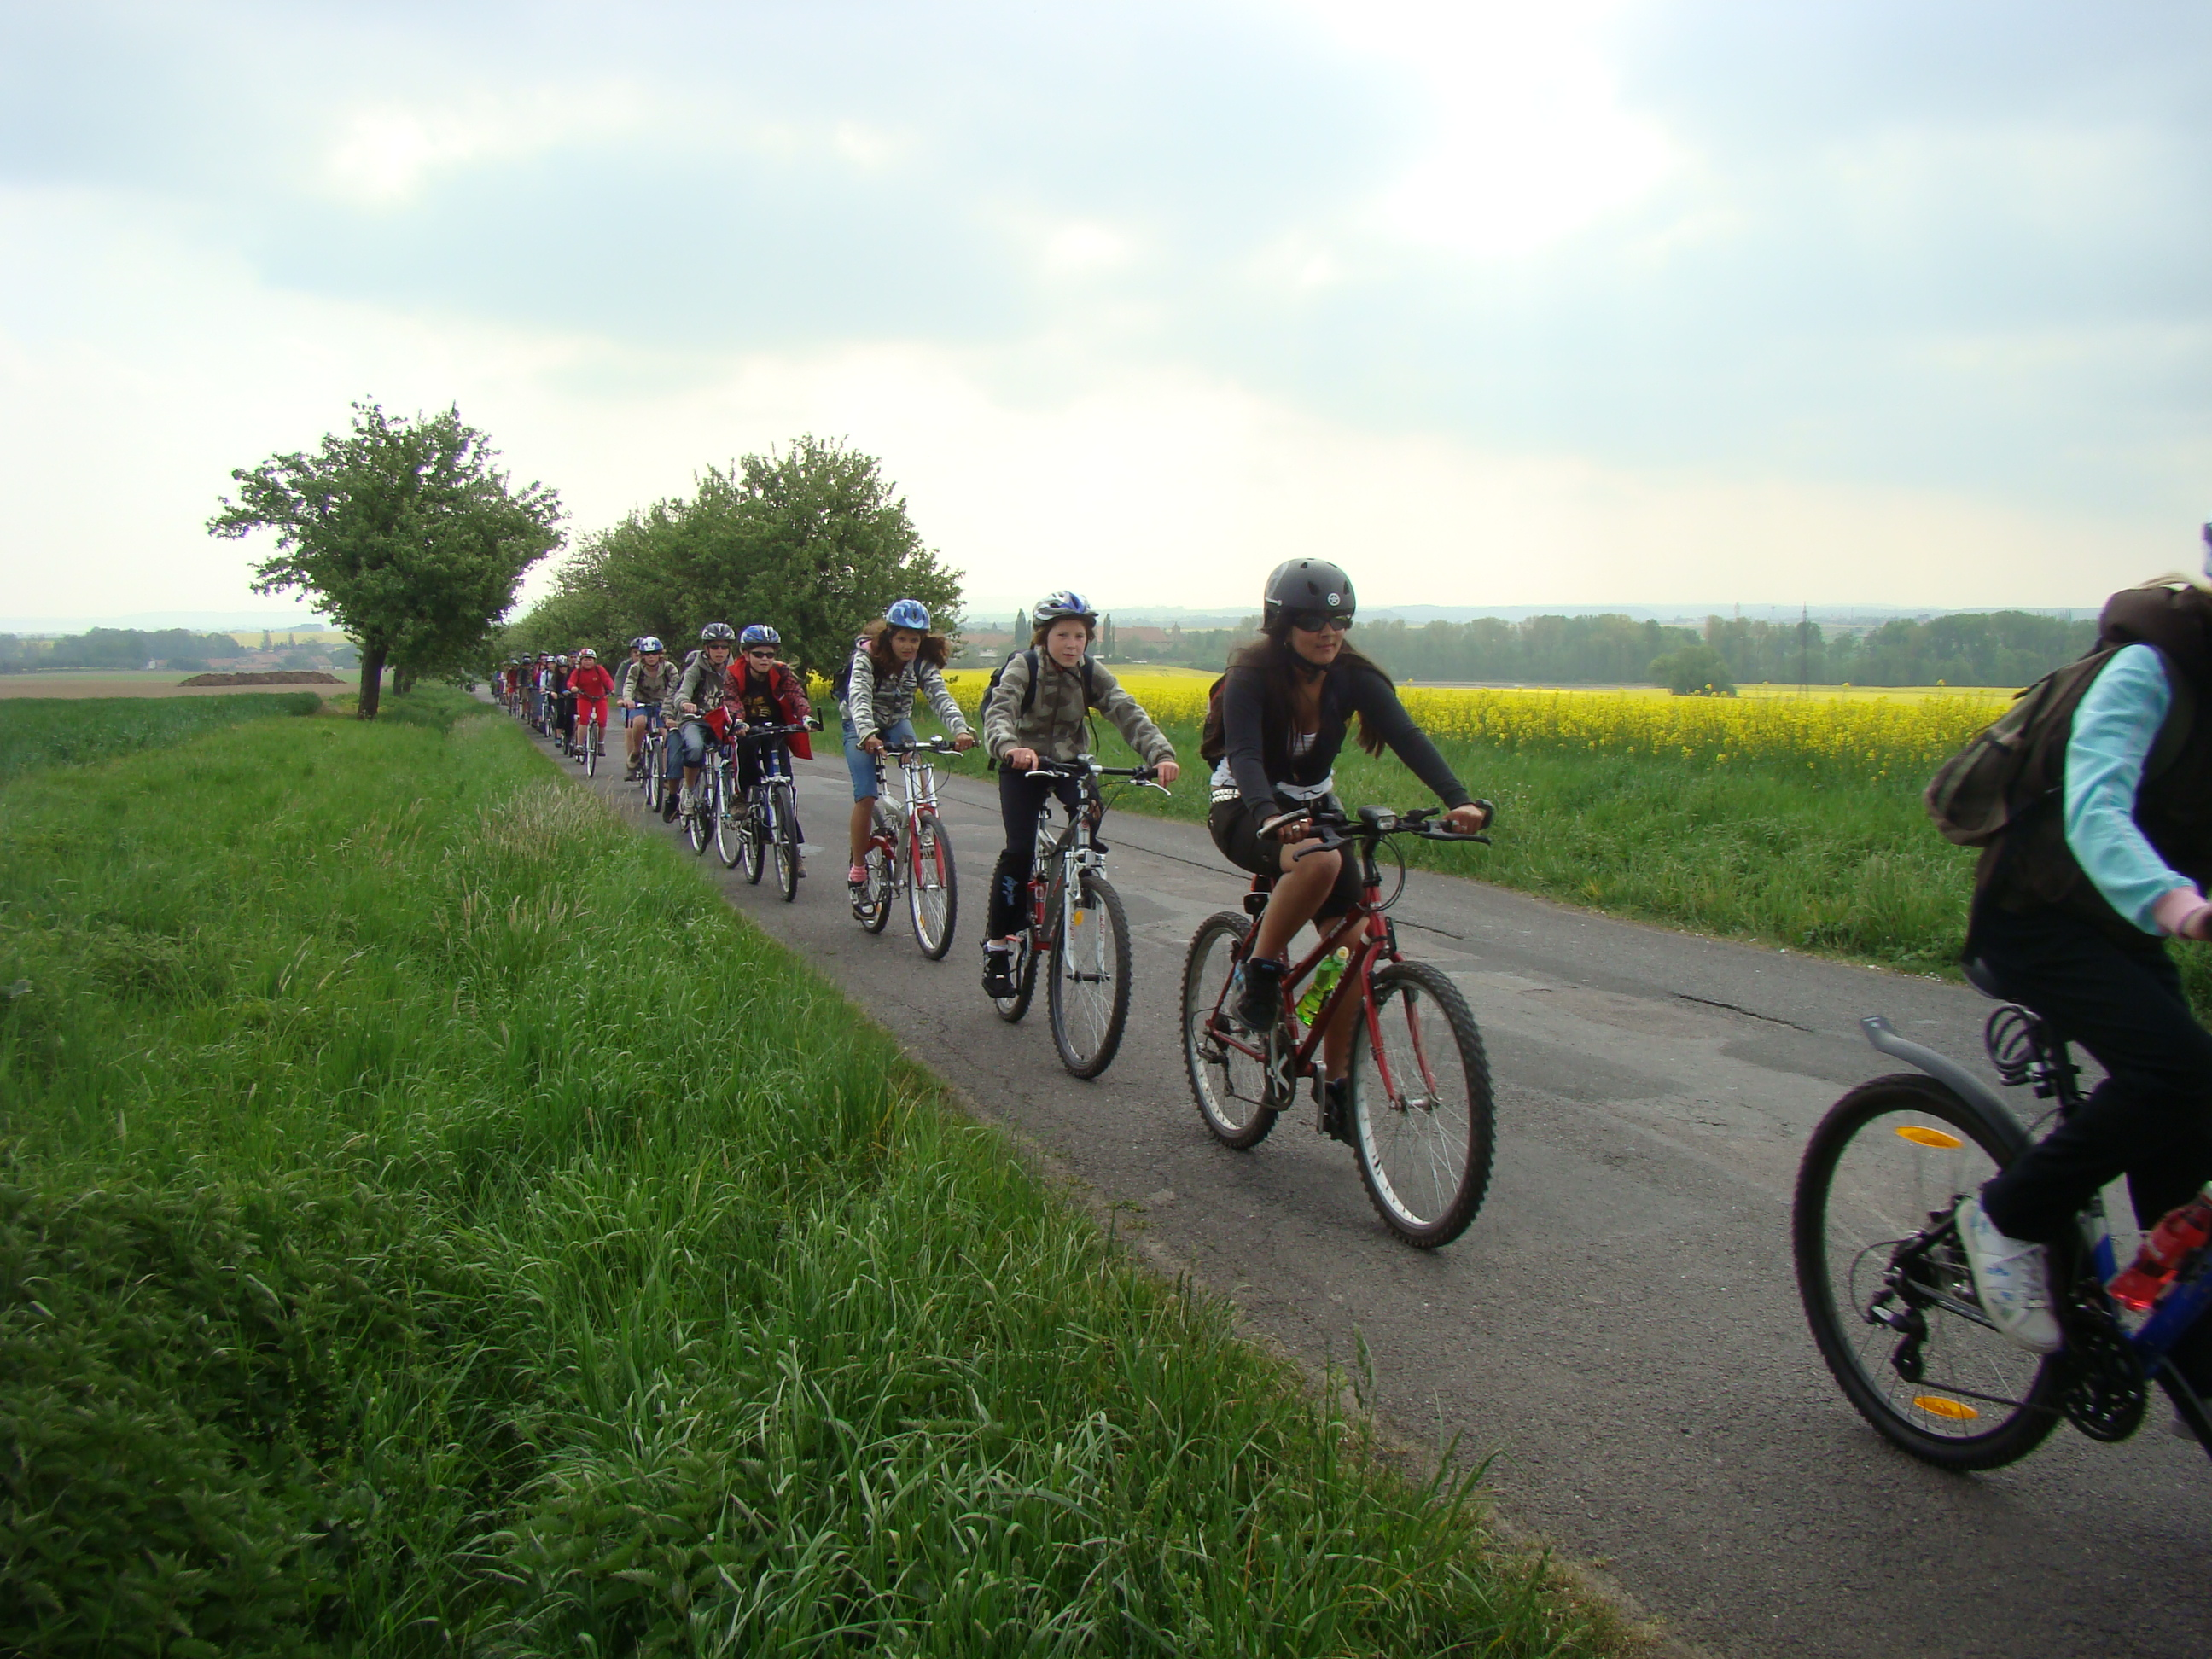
1419,1108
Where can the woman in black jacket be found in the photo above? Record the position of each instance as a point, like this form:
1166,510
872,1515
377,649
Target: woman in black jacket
1286,707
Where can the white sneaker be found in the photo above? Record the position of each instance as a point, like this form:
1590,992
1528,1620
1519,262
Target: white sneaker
689,803
2012,1277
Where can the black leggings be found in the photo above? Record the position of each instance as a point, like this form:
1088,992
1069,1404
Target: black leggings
2150,1118
1020,794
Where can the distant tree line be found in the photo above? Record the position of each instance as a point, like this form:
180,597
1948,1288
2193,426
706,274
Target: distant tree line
116,647
2001,649
812,540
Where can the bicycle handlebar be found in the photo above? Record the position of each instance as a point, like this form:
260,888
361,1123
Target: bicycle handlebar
740,729
1087,766
1374,824
934,746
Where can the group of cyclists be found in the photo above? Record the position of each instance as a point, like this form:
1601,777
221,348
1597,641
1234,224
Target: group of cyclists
2070,912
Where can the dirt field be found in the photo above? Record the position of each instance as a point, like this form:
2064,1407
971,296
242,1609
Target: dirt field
137,683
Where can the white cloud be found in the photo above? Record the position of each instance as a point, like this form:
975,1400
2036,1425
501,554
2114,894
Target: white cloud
1526,140
385,154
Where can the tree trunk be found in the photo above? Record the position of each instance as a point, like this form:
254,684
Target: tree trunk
403,680
372,653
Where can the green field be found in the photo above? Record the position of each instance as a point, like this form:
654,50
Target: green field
1839,865
435,1223
41,731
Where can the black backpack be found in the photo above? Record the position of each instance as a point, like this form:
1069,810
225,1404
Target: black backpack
841,689
1029,691
2016,761
1211,745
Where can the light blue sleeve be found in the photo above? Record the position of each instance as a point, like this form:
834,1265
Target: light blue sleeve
2115,725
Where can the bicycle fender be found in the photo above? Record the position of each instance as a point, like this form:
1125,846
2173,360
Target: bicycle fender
1969,1089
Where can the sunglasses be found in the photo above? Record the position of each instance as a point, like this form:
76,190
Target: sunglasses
1312,621
762,651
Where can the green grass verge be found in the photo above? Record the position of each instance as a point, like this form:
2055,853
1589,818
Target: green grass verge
42,731
433,1222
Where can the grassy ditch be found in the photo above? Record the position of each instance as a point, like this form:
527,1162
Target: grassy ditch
433,1223
42,731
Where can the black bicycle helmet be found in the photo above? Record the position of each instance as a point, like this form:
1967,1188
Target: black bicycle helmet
1299,585
718,634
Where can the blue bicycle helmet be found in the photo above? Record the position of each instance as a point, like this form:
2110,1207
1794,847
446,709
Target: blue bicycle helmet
908,613
759,633
1057,607
648,645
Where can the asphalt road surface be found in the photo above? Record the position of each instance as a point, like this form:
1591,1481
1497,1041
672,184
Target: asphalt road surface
1620,1329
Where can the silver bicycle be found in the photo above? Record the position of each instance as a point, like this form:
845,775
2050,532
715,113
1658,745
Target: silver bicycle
1072,918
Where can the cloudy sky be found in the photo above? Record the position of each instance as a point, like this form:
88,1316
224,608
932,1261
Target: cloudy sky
1495,303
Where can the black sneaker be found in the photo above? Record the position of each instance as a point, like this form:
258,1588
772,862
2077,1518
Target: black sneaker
998,975
1259,1005
669,805
1336,1110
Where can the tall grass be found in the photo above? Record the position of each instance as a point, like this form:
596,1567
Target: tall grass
41,731
433,1223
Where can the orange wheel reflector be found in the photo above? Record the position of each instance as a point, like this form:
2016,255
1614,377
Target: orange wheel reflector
1920,1135
1957,1410
1076,921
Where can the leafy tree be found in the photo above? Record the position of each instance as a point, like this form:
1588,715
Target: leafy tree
403,533
1695,671
812,540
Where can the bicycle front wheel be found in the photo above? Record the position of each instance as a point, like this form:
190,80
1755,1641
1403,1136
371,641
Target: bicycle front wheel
1885,1285
931,898
1422,1121
1088,999
592,751
781,824
1229,1083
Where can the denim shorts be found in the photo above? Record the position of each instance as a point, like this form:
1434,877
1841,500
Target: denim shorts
862,765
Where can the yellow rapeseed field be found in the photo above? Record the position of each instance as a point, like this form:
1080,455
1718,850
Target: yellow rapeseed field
1823,735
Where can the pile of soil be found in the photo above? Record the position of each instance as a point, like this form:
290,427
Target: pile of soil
275,677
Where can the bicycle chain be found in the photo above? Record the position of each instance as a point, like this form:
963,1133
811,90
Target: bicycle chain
2106,1392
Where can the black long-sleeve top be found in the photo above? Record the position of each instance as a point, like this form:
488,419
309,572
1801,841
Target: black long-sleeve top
1256,739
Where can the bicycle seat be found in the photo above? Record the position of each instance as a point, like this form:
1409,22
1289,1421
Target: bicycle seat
1255,897
1983,979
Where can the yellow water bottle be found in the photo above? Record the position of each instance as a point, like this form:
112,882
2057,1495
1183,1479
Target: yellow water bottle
1323,982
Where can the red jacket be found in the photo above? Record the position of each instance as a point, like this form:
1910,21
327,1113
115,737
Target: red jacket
592,681
780,700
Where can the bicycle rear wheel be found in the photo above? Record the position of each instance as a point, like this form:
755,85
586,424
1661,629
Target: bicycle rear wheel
1089,997
873,906
755,852
699,827
1885,1282
1229,1084
1424,1124
781,826
932,899
1023,968
730,831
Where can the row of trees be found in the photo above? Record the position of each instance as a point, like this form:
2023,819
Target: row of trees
116,647
811,539
2004,647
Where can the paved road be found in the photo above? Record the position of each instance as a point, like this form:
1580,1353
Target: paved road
1619,1326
